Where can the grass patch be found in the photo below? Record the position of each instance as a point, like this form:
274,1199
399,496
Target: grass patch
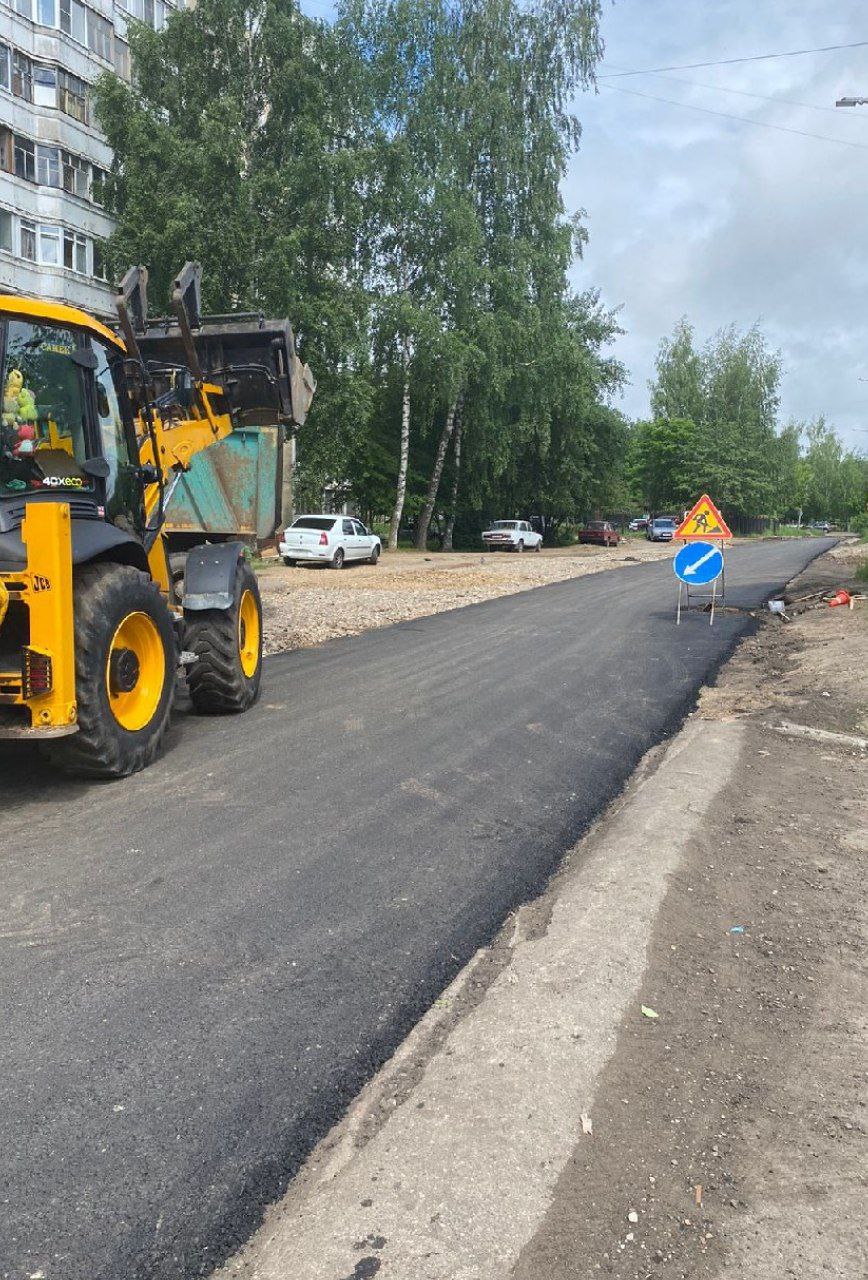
862,570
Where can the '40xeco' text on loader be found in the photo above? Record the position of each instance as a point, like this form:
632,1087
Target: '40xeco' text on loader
93,622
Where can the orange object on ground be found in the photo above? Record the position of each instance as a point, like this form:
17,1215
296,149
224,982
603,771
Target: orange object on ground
839,598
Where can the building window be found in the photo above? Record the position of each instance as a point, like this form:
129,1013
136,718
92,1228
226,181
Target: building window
122,58
5,67
75,252
99,35
100,267
49,246
75,174
22,76
98,177
7,158
73,21
27,240
48,165
44,86
25,159
24,7
6,230
151,12
72,96
47,11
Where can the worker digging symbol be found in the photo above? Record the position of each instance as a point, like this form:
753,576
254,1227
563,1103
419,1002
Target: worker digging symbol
700,523
703,521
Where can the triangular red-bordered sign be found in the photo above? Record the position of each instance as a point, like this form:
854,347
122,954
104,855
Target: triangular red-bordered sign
703,521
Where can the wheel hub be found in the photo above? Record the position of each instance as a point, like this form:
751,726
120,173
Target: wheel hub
123,671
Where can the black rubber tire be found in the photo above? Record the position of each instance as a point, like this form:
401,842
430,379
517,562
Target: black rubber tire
520,547
216,681
374,556
538,547
290,564
337,560
103,595
177,569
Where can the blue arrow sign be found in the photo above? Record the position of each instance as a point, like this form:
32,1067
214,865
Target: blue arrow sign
698,563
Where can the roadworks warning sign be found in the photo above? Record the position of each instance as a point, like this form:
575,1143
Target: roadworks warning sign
703,521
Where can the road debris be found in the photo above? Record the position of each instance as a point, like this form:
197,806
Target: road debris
587,1124
822,735
649,1013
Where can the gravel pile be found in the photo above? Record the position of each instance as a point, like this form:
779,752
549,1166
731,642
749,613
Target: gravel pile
307,605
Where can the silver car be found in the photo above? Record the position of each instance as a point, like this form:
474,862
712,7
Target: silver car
330,540
661,530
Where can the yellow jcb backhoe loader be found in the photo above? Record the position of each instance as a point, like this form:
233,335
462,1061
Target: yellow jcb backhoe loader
92,626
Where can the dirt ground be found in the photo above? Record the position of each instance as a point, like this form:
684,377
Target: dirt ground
309,604
733,1126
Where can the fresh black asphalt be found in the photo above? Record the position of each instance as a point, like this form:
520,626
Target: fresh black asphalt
201,965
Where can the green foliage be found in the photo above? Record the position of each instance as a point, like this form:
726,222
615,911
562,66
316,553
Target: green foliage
835,481
392,182
715,431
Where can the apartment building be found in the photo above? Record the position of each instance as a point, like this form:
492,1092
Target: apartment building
52,154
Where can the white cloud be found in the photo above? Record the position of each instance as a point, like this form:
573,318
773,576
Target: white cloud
729,222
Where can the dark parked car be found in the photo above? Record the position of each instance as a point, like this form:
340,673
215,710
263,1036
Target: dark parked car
600,533
661,530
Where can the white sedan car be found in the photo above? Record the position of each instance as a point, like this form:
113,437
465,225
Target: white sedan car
512,535
331,540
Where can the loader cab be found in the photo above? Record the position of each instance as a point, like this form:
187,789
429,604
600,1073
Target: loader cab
67,430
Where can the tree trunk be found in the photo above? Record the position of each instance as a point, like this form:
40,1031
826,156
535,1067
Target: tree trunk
401,489
453,504
434,485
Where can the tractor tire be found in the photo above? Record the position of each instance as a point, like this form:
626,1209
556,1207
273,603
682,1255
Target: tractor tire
226,676
125,664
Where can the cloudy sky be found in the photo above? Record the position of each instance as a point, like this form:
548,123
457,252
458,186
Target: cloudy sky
727,220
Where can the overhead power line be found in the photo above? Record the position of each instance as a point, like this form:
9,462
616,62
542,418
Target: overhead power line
726,115
729,62
741,93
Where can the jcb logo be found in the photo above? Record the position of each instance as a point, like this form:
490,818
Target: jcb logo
40,583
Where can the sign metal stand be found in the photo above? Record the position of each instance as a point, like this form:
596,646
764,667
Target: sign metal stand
701,562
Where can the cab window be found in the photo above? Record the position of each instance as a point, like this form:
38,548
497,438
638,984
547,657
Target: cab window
43,433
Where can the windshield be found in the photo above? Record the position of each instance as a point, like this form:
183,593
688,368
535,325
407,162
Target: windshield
505,524
313,522
42,433
665,523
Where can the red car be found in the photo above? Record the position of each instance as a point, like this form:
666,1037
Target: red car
600,533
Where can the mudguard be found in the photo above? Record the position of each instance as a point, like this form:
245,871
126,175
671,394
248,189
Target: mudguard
91,540
209,576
